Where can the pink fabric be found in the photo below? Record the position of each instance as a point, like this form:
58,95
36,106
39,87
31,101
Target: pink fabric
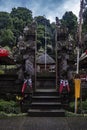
67,85
63,84
61,87
68,88
24,87
3,52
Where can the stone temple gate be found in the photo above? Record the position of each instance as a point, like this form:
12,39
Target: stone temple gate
45,69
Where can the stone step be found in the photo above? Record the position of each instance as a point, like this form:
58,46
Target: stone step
48,92
45,98
46,113
45,105
45,102
26,106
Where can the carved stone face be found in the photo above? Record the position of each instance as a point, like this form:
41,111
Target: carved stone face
26,30
21,45
20,38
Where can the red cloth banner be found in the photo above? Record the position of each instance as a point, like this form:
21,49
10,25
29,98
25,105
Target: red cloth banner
64,84
3,52
24,86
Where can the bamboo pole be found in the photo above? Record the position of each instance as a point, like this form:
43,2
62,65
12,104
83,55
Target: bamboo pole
75,105
35,58
45,46
80,35
78,49
56,56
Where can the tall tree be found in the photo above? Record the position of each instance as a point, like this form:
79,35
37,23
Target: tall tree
22,14
7,38
5,20
21,17
70,21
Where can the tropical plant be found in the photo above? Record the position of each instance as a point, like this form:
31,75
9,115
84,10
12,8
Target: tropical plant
70,21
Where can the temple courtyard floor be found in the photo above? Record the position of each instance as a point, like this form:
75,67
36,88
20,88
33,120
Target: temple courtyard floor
43,123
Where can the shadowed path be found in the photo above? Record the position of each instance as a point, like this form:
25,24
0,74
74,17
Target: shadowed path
44,123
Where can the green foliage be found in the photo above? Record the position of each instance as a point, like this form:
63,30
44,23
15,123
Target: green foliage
12,25
1,71
3,114
53,27
40,36
72,106
42,20
22,14
70,21
44,32
40,31
9,106
71,114
16,33
18,24
7,48
5,20
7,38
84,106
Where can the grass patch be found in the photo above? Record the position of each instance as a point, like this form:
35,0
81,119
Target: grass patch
4,115
9,107
71,114
81,109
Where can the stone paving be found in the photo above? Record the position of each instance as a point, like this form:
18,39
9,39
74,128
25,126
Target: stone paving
44,123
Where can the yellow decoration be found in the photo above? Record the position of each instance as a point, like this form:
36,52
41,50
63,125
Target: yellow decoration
77,88
19,98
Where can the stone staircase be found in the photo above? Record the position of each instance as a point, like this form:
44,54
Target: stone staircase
46,102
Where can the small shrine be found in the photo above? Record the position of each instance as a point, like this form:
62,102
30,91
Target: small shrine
50,63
